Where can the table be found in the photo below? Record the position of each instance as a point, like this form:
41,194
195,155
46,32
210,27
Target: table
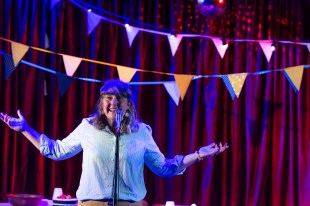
44,202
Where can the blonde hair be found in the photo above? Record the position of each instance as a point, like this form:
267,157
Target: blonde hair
121,90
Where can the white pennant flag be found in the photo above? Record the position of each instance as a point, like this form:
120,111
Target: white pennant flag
173,91
221,48
71,64
131,33
266,46
174,41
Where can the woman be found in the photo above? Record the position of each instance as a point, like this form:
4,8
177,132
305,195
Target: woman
96,137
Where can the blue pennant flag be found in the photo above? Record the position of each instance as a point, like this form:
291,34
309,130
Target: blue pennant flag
229,87
53,3
64,82
8,65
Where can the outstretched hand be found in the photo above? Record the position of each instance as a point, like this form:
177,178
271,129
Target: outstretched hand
18,124
212,149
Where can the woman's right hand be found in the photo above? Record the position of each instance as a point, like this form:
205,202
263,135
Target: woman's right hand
18,124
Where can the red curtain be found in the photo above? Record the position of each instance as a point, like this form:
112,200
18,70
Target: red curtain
267,127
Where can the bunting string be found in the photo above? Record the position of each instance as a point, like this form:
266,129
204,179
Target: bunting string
177,89
174,37
125,21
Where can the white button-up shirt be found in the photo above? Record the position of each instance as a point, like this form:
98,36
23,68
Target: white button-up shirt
98,148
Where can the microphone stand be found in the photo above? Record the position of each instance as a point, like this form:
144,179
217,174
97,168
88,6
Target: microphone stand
118,118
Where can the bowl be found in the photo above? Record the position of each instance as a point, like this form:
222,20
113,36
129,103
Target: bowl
24,199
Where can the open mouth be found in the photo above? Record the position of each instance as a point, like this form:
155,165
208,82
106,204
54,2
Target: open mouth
113,109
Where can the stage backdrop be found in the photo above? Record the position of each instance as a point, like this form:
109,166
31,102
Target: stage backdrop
267,126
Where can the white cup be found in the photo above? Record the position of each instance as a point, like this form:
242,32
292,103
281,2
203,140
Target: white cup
57,192
169,203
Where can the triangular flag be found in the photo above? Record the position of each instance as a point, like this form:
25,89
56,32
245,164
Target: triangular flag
308,46
229,86
125,73
173,91
53,3
46,42
8,65
174,41
237,81
183,81
18,51
92,21
294,76
266,46
64,82
219,46
131,33
71,63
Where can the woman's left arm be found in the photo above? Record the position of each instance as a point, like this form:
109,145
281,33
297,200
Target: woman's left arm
206,151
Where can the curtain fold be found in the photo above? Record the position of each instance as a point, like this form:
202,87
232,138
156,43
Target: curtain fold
267,127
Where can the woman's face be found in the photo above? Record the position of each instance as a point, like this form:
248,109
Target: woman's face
111,103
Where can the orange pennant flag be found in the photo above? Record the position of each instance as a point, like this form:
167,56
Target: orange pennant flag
237,81
183,81
125,73
18,51
294,75
71,64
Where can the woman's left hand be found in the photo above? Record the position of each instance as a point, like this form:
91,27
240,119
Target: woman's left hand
212,149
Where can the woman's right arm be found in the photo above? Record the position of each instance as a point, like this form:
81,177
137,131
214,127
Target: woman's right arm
20,125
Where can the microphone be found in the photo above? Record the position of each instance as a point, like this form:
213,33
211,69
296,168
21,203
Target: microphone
118,120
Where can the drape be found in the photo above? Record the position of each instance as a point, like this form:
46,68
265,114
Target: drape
267,127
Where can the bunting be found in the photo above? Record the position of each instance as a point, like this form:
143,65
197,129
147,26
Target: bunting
64,82
173,91
8,65
131,33
18,51
294,76
220,46
266,47
125,73
233,82
92,21
71,64
183,81
53,3
174,41
229,86
46,42
237,81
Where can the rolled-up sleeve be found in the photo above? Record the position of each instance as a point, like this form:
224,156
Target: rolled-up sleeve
62,149
157,162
